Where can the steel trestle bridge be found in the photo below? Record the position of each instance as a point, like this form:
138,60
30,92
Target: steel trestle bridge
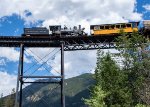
64,43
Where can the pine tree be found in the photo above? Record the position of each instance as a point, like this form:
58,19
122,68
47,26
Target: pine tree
1,100
97,97
10,100
136,65
126,87
110,88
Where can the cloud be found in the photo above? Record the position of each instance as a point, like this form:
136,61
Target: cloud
79,62
2,62
92,12
72,12
76,63
11,54
7,82
147,7
42,54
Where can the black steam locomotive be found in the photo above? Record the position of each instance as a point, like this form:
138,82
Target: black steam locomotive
55,30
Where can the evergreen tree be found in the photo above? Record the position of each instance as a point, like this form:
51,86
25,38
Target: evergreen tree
136,65
10,100
110,83
97,97
1,100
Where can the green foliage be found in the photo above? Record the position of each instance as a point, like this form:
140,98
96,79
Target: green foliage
140,105
10,100
110,83
97,97
1,100
128,86
136,65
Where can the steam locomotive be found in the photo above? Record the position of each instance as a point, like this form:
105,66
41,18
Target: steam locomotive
96,30
55,30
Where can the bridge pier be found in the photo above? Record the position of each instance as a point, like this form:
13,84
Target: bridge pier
21,72
20,81
62,75
19,78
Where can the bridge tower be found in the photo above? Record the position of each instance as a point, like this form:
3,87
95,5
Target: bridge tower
21,77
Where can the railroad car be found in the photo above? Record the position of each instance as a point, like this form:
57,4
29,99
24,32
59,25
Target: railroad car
36,31
145,29
113,29
146,24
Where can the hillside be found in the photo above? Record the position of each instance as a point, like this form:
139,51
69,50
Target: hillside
46,95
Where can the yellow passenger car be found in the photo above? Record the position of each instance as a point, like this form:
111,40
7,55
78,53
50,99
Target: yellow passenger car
113,29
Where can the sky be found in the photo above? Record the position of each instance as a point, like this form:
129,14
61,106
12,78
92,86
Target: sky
18,14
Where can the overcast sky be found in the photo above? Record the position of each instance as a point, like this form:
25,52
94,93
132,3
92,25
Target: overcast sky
17,14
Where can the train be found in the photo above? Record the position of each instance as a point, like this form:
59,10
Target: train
96,30
54,30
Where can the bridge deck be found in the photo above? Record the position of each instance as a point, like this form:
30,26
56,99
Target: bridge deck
70,43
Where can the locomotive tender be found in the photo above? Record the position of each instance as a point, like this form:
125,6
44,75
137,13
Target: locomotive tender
96,30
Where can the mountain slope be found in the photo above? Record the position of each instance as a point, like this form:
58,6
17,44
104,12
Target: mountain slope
48,95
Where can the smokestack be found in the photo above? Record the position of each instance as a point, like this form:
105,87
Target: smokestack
79,27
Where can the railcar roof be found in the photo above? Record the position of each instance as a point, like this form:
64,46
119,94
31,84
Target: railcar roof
115,24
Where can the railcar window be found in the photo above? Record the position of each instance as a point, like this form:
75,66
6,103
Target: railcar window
106,27
96,27
123,26
128,25
134,25
101,27
118,26
112,26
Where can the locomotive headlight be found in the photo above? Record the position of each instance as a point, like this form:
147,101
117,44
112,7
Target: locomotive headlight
27,35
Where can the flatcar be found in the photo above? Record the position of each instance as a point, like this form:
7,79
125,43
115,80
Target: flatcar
113,29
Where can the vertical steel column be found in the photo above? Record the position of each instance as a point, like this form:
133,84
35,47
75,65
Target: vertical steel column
21,72
62,74
17,87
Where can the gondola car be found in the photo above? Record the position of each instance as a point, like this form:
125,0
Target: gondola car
113,29
36,31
